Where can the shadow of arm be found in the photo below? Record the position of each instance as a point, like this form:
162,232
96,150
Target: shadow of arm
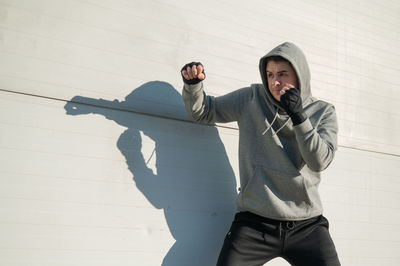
130,145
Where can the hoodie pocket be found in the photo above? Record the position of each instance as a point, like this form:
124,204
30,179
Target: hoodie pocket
277,189
245,186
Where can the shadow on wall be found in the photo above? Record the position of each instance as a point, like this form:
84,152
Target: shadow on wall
194,183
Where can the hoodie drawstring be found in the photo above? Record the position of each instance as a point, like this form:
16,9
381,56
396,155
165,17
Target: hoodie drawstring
270,125
276,132
273,121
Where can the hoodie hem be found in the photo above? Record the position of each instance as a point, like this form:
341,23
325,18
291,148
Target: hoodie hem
283,218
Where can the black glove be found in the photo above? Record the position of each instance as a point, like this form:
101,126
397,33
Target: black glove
195,80
291,102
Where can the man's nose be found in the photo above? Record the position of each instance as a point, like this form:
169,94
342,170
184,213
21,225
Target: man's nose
277,82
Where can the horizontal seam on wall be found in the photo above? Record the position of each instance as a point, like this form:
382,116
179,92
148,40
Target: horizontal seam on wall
168,117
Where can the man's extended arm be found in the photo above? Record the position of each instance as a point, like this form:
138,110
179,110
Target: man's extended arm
208,109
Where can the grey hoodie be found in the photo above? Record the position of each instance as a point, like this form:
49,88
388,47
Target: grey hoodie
279,172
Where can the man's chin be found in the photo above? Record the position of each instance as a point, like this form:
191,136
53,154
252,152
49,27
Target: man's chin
278,98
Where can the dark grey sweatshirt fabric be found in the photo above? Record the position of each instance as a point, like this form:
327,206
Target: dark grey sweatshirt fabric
279,173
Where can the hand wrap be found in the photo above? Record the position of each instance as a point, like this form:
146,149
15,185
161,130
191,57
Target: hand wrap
293,105
195,80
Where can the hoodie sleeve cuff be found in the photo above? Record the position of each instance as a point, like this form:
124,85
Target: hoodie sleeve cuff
303,128
192,89
298,118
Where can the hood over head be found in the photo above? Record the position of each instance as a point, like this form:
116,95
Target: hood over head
296,57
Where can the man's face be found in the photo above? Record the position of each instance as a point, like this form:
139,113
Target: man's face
281,77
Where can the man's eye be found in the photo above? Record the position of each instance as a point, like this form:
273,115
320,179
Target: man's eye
270,75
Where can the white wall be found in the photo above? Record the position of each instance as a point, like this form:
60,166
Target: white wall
100,166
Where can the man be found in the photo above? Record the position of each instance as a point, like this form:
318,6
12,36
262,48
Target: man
287,137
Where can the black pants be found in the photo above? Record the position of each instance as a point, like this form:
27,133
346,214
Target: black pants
253,240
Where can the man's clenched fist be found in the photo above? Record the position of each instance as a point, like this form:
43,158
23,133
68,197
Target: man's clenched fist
292,103
193,73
